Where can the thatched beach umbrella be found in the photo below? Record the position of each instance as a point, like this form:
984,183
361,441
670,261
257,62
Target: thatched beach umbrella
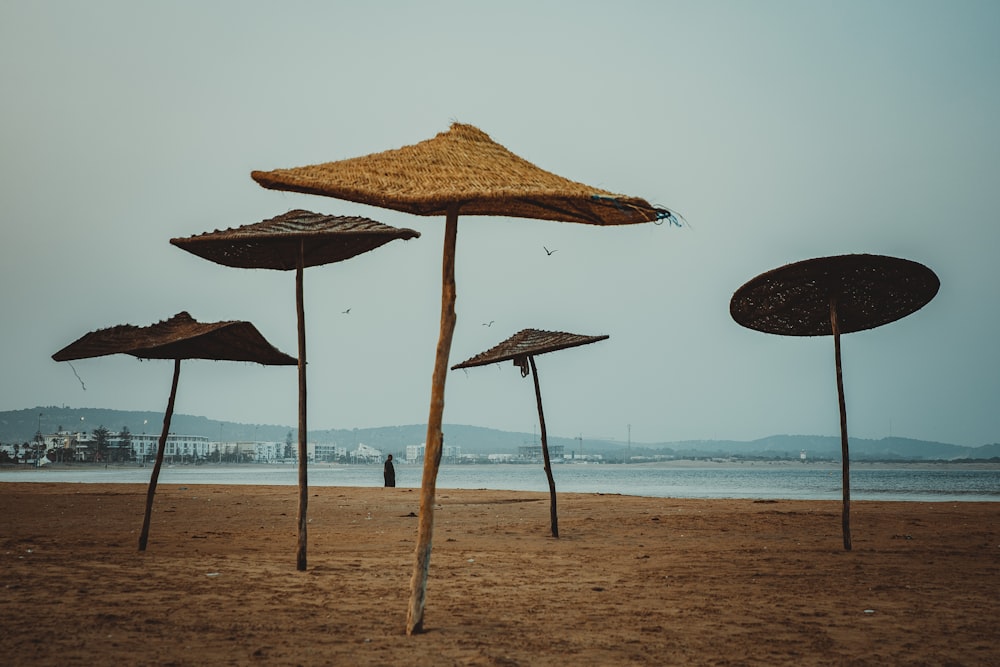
295,240
180,337
522,348
461,171
834,295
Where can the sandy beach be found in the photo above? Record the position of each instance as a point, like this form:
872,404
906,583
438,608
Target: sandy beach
630,581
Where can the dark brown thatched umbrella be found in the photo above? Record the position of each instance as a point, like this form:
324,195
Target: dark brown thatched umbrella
522,348
180,337
295,240
461,171
834,295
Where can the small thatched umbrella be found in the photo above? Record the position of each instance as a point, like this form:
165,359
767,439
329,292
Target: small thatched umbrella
461,171
295,240
180,337
522,348
834,295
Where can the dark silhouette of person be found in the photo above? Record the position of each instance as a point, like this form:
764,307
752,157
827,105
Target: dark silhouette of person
389,472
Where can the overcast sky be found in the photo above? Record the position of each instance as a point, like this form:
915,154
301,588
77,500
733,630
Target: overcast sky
781,130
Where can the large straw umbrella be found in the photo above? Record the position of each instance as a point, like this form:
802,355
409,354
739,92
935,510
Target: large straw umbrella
180,337
295,240
461,171
831,296
522,348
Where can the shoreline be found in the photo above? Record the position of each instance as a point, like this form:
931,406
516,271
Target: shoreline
677,463
919,482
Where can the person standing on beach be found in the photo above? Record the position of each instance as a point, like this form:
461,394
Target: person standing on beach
389,472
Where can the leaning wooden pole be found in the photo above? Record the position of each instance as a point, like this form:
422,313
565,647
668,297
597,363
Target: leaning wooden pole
545,451
300,313
432,452
844,449
161,448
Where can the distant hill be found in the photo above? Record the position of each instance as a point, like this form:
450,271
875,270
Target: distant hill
826,447
19,426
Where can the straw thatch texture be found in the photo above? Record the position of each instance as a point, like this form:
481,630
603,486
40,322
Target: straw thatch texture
528,342
180,337
462,167
869,291
277,243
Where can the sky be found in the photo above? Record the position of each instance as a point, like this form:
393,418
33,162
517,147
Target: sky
780,130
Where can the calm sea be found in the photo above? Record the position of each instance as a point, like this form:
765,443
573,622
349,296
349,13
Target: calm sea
931,482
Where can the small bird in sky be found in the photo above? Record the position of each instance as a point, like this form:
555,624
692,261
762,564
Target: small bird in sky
346,311
547,251
488,324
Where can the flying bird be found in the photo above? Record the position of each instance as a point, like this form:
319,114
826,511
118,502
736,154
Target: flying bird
346,311
489,324
547,251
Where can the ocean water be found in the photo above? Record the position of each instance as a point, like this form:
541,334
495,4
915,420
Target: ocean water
932,482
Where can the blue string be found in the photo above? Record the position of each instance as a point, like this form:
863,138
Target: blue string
661,213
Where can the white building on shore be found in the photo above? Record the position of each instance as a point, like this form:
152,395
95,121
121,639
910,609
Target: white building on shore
326,452
449,453
366,454
142,447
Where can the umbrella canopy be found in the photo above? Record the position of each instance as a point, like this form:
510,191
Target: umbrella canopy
295,240
870,290
461,171
526,343
462,167
522,348
278,243
830,296
180,337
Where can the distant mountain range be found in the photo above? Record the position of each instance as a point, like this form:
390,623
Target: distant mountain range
19,426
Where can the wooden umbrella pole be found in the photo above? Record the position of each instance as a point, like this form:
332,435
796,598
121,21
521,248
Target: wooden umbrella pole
545,450
844,449
167,416
434,444
300,313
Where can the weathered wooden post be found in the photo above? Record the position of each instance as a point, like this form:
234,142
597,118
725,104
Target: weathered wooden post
830,296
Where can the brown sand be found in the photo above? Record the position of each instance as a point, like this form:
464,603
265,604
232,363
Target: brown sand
631,581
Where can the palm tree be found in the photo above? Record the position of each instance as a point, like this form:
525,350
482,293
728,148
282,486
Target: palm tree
101,436
125,444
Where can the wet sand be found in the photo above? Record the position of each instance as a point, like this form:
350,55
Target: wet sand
630,581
